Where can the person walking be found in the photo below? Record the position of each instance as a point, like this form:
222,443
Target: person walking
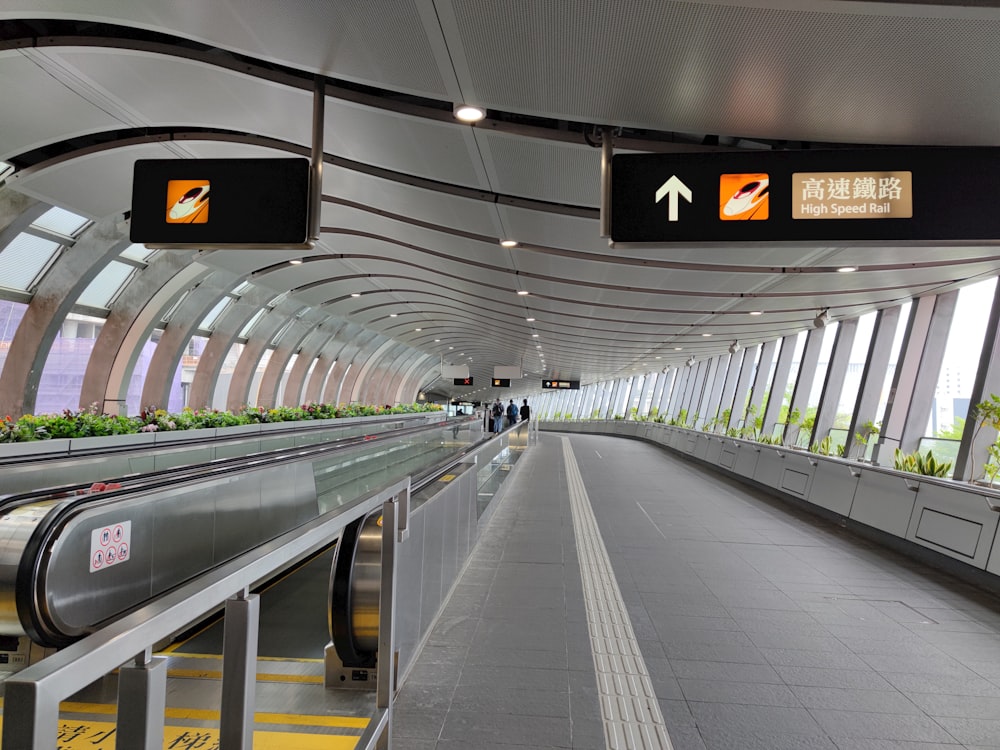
512,414
525,411
497,413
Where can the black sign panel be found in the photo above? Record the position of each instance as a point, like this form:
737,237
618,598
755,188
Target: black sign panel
220,202
570,385
501,382
462,381
907,195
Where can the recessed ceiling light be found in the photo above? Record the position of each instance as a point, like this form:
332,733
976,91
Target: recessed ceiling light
678,348
469,113
355,294
659,357
756,312
508,243
706,335
296,262
538,346
530,320
451,347
393,315
418,329
534,335
523,292
437,341
847,269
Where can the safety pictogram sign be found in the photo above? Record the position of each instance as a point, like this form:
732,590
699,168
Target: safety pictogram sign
110,545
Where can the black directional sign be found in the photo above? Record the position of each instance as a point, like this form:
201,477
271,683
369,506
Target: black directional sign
220,203
463,381
902,195
571,385
501,382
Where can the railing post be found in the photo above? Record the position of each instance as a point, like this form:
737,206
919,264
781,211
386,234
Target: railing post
239,671
142,696
37,712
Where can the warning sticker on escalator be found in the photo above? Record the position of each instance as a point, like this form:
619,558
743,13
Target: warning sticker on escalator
110,545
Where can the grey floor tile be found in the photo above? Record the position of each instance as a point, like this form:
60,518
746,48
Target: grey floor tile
711,670
856,679
970,684
478,729
718,691
856,724
851,699
491,699
743,719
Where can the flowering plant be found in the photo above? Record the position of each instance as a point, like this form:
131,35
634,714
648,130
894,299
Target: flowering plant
91,423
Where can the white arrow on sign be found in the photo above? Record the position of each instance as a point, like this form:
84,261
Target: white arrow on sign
673,187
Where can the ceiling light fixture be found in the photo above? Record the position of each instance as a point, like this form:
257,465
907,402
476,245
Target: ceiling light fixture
296,262
523,292
821,319
534,335
847,269
756,312
530,320
418,330
734,347
690,362
508,243
393,315
469,113
706,335
355,294
678,348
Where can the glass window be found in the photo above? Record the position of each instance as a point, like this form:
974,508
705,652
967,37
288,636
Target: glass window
960,363
251,323
61,221
825,351
24,259
213,315
61,382
253,395
134,395
284,380
105,287
890,371
138,252
221,394
10,318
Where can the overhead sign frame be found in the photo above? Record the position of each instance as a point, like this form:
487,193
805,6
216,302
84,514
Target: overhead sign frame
906,195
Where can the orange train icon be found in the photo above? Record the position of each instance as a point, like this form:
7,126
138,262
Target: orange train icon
187,201
743,197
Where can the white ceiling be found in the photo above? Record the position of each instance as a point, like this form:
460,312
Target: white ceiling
415,203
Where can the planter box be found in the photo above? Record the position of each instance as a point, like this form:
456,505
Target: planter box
885,501
35,447
110,441
954,521
835,485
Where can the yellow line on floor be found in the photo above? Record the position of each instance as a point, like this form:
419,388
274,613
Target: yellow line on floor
181,655
100,735
345,722
214,674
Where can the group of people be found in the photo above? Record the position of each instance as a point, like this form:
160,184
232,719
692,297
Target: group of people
511,413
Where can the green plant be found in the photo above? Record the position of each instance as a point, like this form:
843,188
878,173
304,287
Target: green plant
861,439
986,414
992,466
824,447
925,465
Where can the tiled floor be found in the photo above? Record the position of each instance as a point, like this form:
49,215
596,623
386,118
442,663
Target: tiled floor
761,626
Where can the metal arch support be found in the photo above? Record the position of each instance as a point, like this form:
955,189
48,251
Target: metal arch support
371,368
246,366
270,382
412,377
308,353
133,317
224,335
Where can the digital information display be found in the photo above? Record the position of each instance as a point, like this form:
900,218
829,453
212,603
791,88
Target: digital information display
462,381
218,203
501,382
908,195
570,385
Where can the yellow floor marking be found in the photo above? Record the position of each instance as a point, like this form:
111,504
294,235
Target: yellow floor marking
201,714
100,735
214,674
182,655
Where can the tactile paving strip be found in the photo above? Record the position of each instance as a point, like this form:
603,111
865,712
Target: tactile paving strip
632,717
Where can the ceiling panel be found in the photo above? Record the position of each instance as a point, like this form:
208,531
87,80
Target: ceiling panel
36,108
